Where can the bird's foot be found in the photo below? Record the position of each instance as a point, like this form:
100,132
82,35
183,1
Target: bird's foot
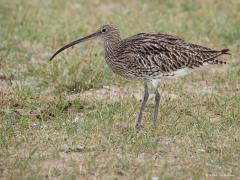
138,127
154,123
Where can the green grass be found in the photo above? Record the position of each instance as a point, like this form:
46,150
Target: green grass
52,125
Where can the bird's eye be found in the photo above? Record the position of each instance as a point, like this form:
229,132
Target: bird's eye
104,30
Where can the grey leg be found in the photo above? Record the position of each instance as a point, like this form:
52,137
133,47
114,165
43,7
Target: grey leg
156,107
144,101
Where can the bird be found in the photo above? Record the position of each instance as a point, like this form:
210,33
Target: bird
149,57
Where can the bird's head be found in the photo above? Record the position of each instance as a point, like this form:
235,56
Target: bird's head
106,32
109,33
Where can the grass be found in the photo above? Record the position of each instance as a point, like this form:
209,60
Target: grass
63,120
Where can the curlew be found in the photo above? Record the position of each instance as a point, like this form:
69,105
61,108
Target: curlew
149,57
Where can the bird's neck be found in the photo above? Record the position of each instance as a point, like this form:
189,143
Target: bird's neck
112,39
110,46
111,43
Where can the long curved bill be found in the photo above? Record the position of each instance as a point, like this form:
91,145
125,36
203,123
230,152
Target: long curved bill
91,36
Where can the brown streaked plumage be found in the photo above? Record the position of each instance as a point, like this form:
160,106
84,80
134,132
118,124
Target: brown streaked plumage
149,56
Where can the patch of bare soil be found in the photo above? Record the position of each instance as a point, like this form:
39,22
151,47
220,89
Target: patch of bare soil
4,82
114,93
201,88
37,57
9,81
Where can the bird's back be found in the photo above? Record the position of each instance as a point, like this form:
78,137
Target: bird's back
152,55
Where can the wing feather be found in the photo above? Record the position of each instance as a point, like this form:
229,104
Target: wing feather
166,53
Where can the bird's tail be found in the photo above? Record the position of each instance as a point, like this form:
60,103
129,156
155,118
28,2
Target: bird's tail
225,51
216,61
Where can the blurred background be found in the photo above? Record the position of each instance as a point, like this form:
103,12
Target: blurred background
73,117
